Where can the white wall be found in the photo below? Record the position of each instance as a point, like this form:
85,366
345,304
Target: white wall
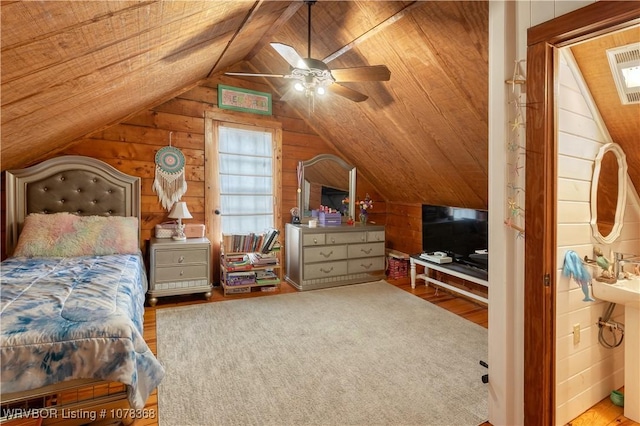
585,372
508,24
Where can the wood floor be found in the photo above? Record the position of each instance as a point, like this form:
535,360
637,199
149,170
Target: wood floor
602,414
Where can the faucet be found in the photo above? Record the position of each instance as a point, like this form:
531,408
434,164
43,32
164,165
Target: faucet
619,261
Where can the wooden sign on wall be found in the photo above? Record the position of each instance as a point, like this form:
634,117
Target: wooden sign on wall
238,99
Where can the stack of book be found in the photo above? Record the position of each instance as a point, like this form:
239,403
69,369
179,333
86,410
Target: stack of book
267,277
246,243
237,262
270,239
241,278
263,259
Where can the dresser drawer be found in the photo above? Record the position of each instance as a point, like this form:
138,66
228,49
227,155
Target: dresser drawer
324,253
345,238
368,264
313,239
325,270
366,250
181,257
375,236
180,273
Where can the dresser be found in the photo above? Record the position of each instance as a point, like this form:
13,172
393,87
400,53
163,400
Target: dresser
179,267
332,256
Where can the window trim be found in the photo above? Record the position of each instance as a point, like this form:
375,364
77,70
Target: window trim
212,121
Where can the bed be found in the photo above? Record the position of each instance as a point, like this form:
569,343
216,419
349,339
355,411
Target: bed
72,294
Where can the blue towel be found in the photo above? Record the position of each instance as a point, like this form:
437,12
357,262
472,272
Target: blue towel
574,268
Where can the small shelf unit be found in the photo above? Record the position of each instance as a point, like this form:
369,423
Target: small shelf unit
238,277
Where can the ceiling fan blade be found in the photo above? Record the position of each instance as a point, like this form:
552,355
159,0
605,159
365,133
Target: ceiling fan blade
249,74
372,73
348,93
290,55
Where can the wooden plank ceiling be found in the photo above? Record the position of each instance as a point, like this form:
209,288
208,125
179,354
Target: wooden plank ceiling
623,121
71,68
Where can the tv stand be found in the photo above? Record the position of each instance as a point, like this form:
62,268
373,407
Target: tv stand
453,269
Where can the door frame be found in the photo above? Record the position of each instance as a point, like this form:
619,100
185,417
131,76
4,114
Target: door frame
540,189
212,121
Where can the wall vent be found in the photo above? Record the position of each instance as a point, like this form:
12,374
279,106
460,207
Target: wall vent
625,67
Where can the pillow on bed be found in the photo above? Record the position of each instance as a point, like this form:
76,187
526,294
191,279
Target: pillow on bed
69,235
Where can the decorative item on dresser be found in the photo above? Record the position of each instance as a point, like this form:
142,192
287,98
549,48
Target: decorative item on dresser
332,256
179,267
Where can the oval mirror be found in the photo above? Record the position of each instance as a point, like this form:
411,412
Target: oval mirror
325,180
608,193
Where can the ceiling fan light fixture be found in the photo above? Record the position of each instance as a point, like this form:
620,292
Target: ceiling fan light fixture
314,78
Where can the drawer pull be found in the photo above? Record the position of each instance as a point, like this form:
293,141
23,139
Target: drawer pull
333,240
366,266
181,259
181,273
362,238
327,255
325,270
366,251
315,241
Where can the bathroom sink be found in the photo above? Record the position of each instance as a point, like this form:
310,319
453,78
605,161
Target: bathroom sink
627,293
624,292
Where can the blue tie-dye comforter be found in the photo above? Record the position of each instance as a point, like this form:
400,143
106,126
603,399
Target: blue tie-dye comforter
75,318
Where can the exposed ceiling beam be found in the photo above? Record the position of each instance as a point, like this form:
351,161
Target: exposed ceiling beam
243,26
382,25
275,28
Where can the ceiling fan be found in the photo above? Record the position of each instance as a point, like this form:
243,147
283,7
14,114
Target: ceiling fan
313,76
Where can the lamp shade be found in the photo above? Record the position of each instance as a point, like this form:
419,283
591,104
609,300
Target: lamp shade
180,211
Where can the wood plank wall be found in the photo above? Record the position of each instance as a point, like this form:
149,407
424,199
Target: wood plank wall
404,227
131,145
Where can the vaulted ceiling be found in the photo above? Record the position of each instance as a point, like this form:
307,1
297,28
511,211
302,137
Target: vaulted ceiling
623,121
71,68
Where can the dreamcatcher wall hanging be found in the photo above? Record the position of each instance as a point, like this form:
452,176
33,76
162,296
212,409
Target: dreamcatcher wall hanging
170,183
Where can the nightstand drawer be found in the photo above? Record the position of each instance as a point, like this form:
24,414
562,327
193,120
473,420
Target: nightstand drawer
178,273
181,257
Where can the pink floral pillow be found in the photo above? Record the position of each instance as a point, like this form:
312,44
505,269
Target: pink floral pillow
69,235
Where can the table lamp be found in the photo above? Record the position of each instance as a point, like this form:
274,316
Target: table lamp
180,211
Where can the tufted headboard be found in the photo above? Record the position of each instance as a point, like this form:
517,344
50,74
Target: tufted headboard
73,184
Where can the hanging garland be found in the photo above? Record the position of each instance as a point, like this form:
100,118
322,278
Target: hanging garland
169,183
516,153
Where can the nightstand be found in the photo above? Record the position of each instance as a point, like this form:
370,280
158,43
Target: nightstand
179,267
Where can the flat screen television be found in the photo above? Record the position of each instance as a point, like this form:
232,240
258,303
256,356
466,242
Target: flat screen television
459,232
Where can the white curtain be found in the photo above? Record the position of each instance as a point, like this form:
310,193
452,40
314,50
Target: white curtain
246,180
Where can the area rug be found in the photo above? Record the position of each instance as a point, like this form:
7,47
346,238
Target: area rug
366,354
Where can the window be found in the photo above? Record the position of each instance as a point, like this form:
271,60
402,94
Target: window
250,204
245,169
